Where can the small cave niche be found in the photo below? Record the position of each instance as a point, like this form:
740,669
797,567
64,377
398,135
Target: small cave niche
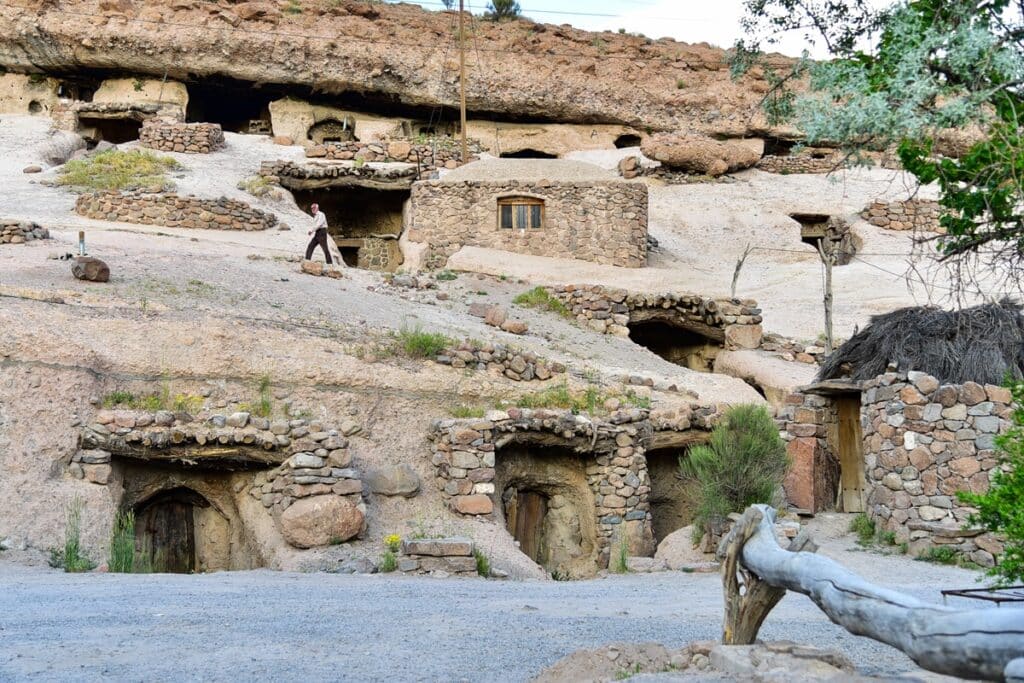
777,147
357,211
815,227
671,493
676,344
627,140
114,130
34,107
350,256
548,507
528,154
331,130
236,109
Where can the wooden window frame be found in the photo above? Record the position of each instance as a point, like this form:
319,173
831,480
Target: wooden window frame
521,201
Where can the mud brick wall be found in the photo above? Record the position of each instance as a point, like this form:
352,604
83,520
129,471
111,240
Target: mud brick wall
909,214
173,211
191,138
19,232
922,444
604,222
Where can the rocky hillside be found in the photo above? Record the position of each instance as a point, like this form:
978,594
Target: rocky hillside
390,54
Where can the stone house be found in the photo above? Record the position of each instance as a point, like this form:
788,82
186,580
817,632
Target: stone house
545,207
902,417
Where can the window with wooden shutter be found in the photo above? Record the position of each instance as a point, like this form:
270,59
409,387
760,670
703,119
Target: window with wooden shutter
520,213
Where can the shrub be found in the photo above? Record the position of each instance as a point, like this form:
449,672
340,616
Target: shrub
864,527
1001,509
70,558
743,464
538,297
445,275
393,542
938,555
388,562
463,411
501,10
259,186
419,344
483,563
620,563
117,170
122,543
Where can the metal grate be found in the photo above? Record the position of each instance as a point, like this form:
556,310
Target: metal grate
996,595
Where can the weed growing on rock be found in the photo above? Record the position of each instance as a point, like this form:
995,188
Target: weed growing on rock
445,276
117,170
393,542
122,543
483,563
620,563
463,411
70,558
417,343
864,528
938,555
540,298
388,562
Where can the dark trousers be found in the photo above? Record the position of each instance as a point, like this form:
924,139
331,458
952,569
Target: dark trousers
319,237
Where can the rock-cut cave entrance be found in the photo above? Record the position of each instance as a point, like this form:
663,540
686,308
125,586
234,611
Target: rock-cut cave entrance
113,130
548,507
671,493
165,530
238,109
528,154
624,141
676,343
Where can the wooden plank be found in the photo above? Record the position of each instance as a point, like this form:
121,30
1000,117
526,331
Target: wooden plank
851,454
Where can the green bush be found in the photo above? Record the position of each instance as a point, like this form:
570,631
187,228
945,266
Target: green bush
117,170
500,10
1001,509
70,558
445,276
388,562
463,411
540,298
419,344
483,563
864,528
938,555
620,563
122,543
743,464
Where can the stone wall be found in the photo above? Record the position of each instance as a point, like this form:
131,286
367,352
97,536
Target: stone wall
807,160
173,211
909,214
923,443
192,138
446,154
314,175
610,310
435,555
616,469
604,222
18,232
66,113
375,253
502,360
808,424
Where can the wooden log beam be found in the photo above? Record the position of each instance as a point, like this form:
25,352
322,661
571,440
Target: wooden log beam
972,643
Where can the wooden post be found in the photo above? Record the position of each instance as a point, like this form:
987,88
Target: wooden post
828,259
81,242
462,79
736,273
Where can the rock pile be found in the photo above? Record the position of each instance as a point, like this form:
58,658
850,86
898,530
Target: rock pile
173,211
190,138
499,359
923,443
445,154
434,555
14,231
909,214
609,311
497,316
791,350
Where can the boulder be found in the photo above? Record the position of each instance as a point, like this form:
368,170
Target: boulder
678,552
394,480
515,326
320,520
312,268
32,169
284,140
700,154
474,504
496,316
91,269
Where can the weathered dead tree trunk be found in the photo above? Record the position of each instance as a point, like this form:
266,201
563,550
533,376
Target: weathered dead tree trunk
977,643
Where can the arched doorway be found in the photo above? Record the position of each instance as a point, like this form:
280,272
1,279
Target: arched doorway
165,530
627,140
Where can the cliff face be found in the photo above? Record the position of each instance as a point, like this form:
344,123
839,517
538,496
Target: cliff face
400,54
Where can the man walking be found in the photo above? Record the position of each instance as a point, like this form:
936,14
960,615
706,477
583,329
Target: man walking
319,233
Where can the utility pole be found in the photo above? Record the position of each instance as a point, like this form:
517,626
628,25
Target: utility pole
462,79
826,249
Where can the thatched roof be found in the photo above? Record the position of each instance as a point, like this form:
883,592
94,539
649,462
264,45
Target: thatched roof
979,344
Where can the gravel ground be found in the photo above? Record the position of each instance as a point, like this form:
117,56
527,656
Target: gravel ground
287,626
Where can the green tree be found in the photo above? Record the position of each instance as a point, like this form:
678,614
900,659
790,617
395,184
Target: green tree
1001,509
500,10
743,463
916,77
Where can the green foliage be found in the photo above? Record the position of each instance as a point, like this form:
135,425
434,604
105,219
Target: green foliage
539,297
117,170
939,555
122,556
930,66
163,400
259,186
264,406
680,84
293,7
502,10
445,276
70,558
388,562
1001,509
864,527
138,84
464,411
416,343
743,464
591,400
483,563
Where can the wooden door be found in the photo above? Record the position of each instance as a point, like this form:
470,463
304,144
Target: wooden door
527,523
168,535
851,454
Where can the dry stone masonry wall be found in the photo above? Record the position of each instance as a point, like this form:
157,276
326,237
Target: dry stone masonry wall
610,310
806,423
173,211
171,136
909,214
807,160
449,555
314,175
604,222
426,156
924,442
499,359
19,232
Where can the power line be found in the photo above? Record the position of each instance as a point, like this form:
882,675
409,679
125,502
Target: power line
372,41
